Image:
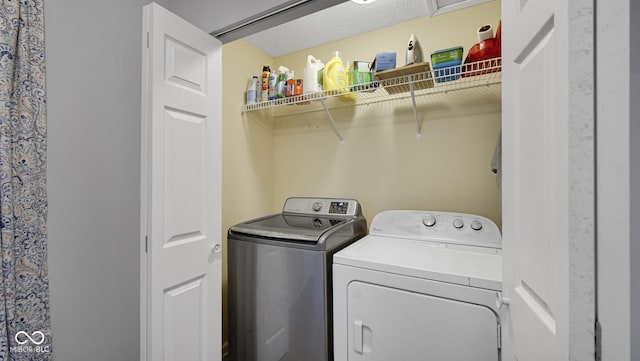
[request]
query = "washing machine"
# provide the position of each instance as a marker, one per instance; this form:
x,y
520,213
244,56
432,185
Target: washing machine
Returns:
x,y
280,279
420,286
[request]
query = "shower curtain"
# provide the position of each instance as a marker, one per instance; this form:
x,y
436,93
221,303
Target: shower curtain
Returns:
x,y
25,331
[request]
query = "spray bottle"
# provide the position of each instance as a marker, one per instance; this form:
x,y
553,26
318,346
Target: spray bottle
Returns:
x,y
281,85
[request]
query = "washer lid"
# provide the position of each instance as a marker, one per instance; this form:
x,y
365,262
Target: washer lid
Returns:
x,y
289,227
463,265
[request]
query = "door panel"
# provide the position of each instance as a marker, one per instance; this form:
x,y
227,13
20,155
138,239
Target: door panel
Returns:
x,y
184,153
536,179
183,329
538,182
408,326
186,66
181,216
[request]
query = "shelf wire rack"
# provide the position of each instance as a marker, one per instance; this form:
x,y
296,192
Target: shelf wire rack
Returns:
x,y
412,82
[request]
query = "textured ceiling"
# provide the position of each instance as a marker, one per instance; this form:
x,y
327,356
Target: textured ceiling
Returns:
x,y
335,23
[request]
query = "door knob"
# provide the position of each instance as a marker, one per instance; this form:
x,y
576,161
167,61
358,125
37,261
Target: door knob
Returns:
x,y
216,248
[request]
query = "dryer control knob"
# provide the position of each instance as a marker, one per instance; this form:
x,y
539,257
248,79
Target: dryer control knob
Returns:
x,y
429,220
476,225
317,206
458,223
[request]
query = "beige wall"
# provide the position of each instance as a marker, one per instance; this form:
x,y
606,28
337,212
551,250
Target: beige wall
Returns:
x,y
380,163
247,156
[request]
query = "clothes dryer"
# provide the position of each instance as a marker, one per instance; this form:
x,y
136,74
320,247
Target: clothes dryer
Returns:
x,y
421,286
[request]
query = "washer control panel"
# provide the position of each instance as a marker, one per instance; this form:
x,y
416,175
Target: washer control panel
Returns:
x,y
444,227
322,206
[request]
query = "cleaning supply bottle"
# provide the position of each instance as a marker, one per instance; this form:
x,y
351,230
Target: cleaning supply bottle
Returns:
x,y
281,85
266,72
273,79
291,84
347,70
335,75
349,81
252,90
313,75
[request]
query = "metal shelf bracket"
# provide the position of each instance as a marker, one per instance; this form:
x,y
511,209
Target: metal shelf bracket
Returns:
x,y
415,111
333,122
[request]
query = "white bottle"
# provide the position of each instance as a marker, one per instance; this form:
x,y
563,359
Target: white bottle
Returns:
x,y
312,81
252,90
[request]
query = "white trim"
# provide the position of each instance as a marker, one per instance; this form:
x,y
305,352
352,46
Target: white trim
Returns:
x,y
613,178
144,133
582,178
634,158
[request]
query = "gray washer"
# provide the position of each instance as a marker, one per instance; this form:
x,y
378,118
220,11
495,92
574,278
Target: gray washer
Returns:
x,y
279,268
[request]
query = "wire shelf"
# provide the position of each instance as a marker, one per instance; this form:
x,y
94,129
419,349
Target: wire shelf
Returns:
x,y
421,83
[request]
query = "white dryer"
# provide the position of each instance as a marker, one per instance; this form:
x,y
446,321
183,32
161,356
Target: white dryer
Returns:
x,y
421,286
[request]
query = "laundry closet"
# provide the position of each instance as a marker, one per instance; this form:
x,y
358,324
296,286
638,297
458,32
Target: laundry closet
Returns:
x,y
272,154
432,150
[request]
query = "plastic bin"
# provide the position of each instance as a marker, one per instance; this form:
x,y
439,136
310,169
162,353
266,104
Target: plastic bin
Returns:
x,y
446,64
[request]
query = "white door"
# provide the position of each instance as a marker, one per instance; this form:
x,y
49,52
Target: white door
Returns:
x,y
544,320
181,187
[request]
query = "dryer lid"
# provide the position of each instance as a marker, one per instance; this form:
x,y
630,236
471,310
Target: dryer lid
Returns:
x,y
463,265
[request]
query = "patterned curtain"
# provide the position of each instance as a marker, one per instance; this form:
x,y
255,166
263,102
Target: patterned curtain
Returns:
x,y
25,331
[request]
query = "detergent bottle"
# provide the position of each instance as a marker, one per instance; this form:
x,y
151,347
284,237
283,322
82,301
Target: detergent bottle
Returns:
x,y
335,75
313,75
281,85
